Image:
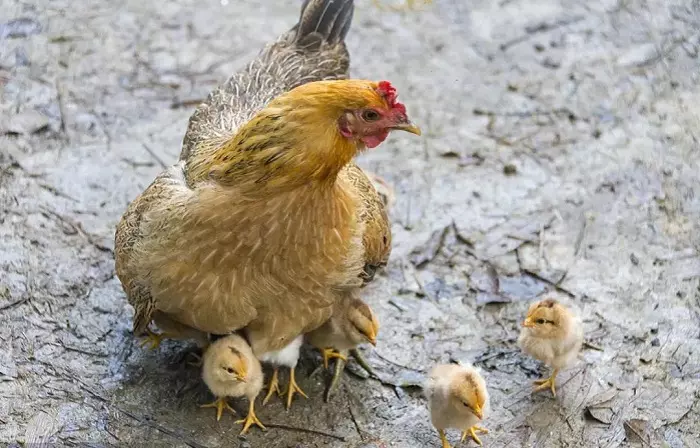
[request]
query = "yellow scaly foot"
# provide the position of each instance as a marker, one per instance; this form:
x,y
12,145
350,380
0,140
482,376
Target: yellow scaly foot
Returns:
x,y
547,383
471,432
220,404
273,387
292,389
329,353
443,439
251,419
154,339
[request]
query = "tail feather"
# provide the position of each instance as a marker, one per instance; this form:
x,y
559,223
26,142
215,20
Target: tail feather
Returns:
x,y
328,20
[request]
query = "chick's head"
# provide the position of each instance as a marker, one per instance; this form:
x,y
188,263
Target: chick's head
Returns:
x,y
362,325
468,394
231,365
546,319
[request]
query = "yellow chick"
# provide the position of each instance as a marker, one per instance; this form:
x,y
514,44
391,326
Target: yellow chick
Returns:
x,y
230,369
351,324
552,334
457,398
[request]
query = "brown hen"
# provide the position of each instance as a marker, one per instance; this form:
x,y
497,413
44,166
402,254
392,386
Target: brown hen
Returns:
x,y
265,218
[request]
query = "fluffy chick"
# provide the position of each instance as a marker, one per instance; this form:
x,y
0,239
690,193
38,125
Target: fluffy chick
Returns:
x,y
352,323
457,398
231,370
286,357
552,334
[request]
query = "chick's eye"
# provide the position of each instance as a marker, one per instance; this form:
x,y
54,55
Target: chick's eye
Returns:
x,y
540,321
229,370
370,115
466,405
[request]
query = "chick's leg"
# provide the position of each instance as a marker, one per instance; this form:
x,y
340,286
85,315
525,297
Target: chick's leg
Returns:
x,y
220,404
250,419
329,353
443,439
471,432
154,339
293,388
548,383
273,387
340,367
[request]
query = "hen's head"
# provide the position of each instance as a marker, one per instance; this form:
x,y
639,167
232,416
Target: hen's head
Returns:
x,y
311,132
547,319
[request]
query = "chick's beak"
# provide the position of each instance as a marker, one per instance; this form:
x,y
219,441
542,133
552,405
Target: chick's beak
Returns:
x,y
528,323
478,412
407,126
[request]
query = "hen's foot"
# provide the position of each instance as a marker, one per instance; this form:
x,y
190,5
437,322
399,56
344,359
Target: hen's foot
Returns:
x,y
251,419
471,432
273,387
293,388
220,404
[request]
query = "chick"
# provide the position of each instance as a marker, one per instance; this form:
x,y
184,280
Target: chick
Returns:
x,y
231,370
351,324
552,334
286,357
457,398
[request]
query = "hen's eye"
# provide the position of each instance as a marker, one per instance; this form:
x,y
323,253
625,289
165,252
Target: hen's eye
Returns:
x,y
370,115
539,321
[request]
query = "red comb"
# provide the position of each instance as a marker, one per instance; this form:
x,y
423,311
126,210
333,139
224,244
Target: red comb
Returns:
x,y
388,92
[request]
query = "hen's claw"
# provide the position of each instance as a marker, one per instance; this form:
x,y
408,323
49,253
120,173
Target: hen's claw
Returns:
x,y
329,353
471,432
293,388
220,404
273,387
251,419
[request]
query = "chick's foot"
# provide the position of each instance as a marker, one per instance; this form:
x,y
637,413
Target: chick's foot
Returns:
x,y
443,439
220,404
547,383
152,339
329,353
471,432
273,387
251,419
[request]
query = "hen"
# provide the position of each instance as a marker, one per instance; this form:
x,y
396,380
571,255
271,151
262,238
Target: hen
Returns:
x,y
265,218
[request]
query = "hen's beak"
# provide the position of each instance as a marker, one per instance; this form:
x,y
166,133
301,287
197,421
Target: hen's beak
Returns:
x,y
528,323
408,127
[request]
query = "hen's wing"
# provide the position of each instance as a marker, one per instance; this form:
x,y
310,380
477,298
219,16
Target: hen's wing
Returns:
x,y
376,238
313,50
129,233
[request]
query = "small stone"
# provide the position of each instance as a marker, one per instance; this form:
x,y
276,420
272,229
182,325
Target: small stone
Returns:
x,y
510,169
655,342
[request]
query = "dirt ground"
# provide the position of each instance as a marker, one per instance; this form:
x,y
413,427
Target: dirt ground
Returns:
x,y
560,156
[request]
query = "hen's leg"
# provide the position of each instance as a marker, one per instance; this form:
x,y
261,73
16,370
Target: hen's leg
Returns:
x,y
293,388
273,387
